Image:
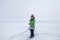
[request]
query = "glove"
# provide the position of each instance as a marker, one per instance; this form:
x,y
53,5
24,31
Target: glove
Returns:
x,y
29,28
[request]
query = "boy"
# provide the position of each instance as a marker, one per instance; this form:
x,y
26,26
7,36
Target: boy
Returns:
x,y
32,26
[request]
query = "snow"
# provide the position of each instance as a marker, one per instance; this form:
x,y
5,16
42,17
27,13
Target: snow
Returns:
x,y
20,31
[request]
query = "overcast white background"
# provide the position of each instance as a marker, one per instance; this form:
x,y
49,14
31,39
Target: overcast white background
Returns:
x,y
22,9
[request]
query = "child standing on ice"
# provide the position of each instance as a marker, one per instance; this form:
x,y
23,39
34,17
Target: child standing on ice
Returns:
x,y
32,26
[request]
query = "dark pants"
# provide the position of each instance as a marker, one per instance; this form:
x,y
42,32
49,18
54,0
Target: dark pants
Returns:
x,y
32,32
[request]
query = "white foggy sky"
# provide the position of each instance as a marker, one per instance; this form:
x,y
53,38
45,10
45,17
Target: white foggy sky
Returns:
x,y
22,9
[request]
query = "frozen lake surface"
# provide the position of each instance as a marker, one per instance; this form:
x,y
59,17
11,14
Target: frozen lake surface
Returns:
x,y
20,31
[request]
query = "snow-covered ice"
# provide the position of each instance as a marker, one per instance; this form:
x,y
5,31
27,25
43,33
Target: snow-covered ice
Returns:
x,y
19,31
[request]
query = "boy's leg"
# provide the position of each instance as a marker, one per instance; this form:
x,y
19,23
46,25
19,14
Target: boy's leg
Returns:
x,y
32,32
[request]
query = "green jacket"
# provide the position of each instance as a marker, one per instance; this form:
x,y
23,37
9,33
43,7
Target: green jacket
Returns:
x,y
32,23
